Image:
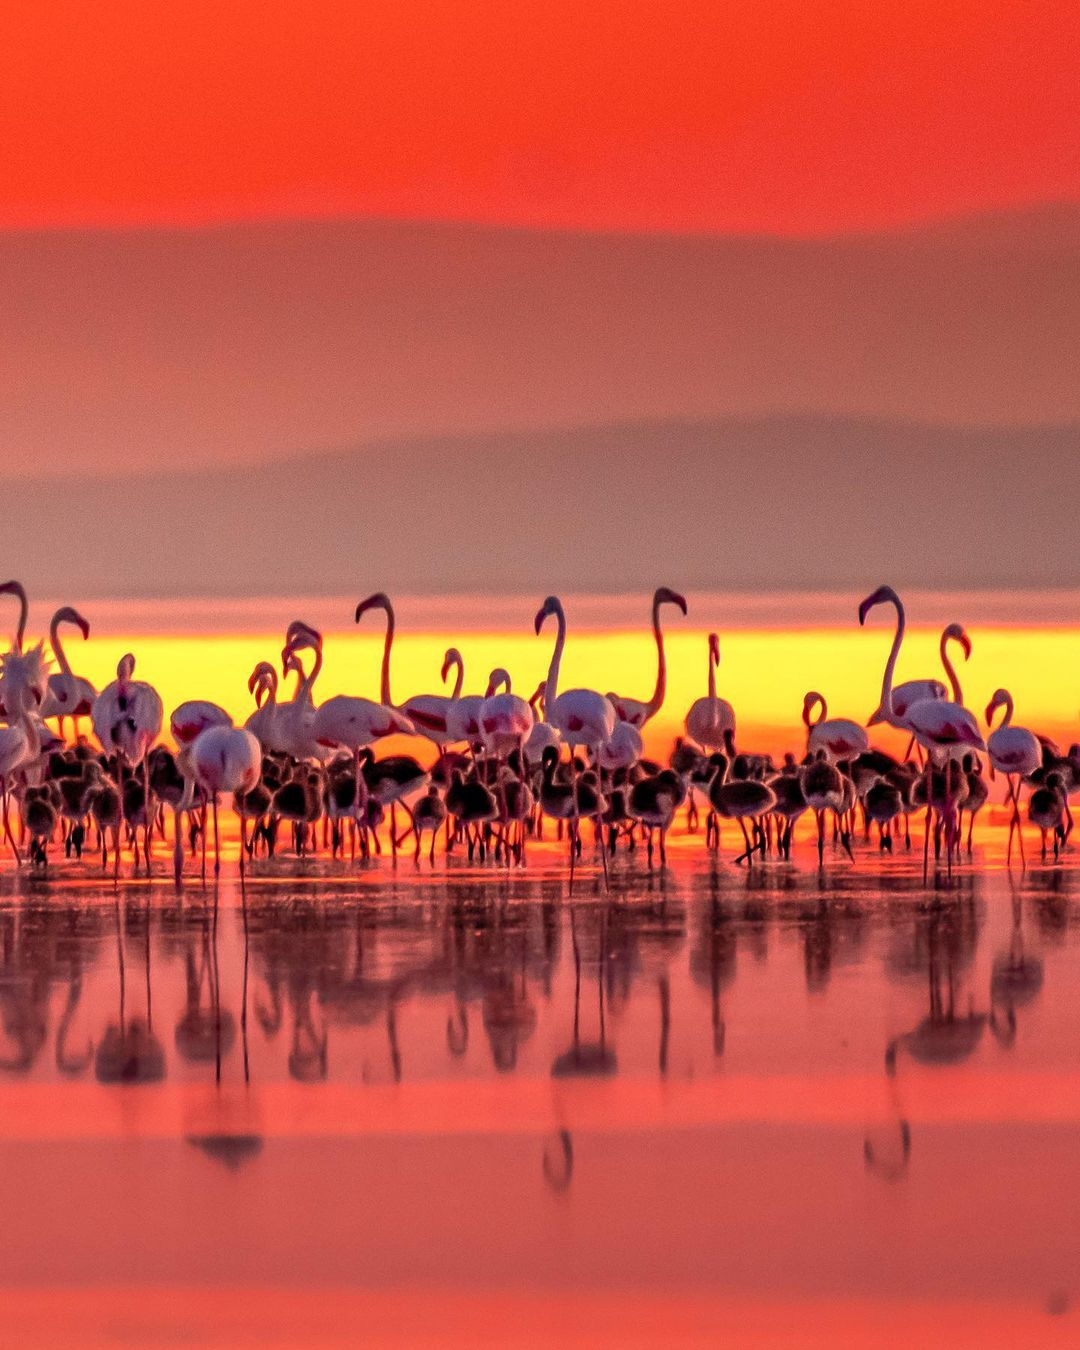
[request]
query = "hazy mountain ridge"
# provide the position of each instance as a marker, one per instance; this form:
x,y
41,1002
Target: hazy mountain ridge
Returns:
x,y
780,503
204,346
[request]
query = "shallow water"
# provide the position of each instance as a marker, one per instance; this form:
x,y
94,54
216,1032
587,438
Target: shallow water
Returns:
x,y
452,1104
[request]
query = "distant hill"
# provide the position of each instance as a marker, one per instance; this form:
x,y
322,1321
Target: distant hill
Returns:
x,y
780,503
132,349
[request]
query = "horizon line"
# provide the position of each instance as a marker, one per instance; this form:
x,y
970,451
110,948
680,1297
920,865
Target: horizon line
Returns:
x,y
225,219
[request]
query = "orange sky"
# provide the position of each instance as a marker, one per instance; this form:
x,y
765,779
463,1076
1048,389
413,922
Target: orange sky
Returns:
x,y
775,114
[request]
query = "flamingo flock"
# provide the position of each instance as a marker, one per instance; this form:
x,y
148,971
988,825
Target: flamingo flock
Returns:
x,y
303,775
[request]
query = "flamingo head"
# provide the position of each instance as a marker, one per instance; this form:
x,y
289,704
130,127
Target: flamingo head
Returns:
x,y
956,633
380,600
69,615
301,637
812,700
452,658
665,596
714,648
882,596
125,668
498,679
261,676
1000,699
552,605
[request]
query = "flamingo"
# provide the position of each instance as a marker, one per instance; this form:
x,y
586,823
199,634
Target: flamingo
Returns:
x,y
653,802
506,719
942,729
742,800
582,717
28,669
915,691
840,738
429,713
17,589
127,714
67,694
263,683
711,720
225,758
632,710
293,724
1013,751
20,746
191,719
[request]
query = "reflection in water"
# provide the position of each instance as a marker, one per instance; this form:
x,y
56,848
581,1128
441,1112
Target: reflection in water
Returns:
x,y
461,1077
387,982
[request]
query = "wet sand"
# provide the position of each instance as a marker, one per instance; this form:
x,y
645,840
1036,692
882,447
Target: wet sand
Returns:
x,y
455,1106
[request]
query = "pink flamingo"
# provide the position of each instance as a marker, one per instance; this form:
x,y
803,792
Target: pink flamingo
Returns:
x,y
633,710
67,694
1015,752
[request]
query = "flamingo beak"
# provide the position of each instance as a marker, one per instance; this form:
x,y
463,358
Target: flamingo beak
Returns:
x,y
538,622
965,643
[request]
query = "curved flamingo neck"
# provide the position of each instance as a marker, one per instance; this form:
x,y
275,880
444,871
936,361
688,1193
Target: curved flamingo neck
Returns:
x,y
388,646
498,679
814,699
1007,704
57,645
894,654
16,589
551,685
453,658
950,669
657,701
538,697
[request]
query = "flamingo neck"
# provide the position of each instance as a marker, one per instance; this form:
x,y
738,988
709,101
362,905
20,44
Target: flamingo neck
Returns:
x,y
24,613
58,646
33,738
894,654
657,701
1007,719
453,657
950,669
551,686
714,661
388,644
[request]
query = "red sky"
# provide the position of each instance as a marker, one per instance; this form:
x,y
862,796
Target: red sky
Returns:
x,y
782,115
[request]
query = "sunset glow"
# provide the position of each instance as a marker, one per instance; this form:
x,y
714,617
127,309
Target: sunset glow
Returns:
x,y
775,116
763,673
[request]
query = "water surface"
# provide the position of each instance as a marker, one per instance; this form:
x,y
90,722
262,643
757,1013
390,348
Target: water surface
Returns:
x,y
451,1104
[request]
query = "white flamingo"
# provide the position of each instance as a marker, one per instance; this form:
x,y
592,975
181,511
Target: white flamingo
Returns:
x,y
711,720
582,717
840,738
20,668
225,758
191,719
505,717
19,748
429,713
1013,751
944,730
263,683
294,721
127,717
67,694
633,710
